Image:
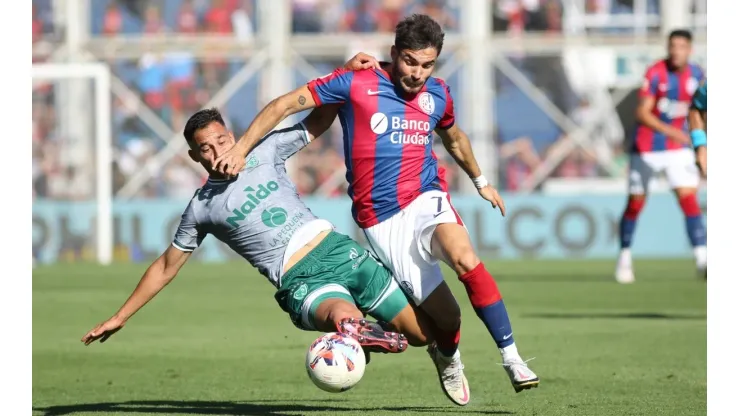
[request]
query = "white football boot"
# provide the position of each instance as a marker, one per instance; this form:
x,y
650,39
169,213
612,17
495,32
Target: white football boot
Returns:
x,y
624,273
700,255
522,378
451,376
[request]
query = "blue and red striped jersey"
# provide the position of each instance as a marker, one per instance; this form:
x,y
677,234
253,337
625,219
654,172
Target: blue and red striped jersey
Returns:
x,y
387,138
673,92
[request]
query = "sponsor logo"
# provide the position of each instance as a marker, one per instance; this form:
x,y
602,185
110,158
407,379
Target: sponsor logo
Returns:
x,y
274,217
254,198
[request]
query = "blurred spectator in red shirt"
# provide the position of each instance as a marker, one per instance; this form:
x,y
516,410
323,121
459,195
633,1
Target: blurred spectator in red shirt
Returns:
x,y
112,20
218,18
38,26
181,83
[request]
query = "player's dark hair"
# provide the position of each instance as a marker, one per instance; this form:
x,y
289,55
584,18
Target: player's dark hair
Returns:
x,y
201,120
417,32
681,33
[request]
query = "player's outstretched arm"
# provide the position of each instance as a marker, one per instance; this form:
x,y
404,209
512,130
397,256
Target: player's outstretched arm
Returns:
x,y
278,109
458,146
157,276
231,162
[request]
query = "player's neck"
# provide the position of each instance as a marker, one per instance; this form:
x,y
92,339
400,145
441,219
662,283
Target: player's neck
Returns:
x,y
674,68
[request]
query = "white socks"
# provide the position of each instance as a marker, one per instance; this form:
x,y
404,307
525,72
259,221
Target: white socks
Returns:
x,y
625,259
510,353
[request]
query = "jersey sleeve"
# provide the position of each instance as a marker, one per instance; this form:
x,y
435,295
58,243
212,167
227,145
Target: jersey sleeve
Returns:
x,y
650,84
189,234
333,88
288,141
448,118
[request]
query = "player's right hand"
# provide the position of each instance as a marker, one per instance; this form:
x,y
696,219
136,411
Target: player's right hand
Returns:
x,y
679,136
362,61
230,163
103,331
490,194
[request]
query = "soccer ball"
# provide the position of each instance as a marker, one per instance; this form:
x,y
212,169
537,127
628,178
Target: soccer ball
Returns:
x,y
335,362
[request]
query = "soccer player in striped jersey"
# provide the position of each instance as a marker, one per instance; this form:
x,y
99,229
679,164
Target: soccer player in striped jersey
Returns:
x,y
662,145
399,193
698,126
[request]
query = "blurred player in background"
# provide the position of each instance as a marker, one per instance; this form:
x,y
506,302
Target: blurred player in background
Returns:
x,y
662,145
399,192
698,126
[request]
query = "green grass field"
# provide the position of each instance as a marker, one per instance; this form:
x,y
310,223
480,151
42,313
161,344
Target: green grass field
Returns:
x,y
215,343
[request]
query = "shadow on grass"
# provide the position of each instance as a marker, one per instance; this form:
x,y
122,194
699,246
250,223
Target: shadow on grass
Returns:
x,y
262,407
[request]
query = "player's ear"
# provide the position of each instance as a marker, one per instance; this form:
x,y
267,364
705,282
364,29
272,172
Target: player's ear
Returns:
x,y
394,52
231,136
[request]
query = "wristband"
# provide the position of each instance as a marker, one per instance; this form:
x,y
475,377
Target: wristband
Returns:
x,y
480,182
698,138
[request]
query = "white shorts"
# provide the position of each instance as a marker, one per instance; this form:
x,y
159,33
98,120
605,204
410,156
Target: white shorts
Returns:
x,y
403,243
679,167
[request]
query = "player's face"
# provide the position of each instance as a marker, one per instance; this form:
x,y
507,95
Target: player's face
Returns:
x,y
211,142
679,50
411,69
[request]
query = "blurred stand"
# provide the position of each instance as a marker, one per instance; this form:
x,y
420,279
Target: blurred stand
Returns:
x,y
546,89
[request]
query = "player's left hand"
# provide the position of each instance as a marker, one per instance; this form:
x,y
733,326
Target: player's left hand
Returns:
x,y
230,163
103,331
490,194
362,61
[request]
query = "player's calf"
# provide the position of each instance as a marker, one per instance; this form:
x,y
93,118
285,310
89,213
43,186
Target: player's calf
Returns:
x,y
444,312
452,244
414,324
695,228
627,225
628,222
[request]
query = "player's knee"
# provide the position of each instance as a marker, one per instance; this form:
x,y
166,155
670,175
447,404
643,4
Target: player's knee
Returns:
x,y
463,260
685,192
